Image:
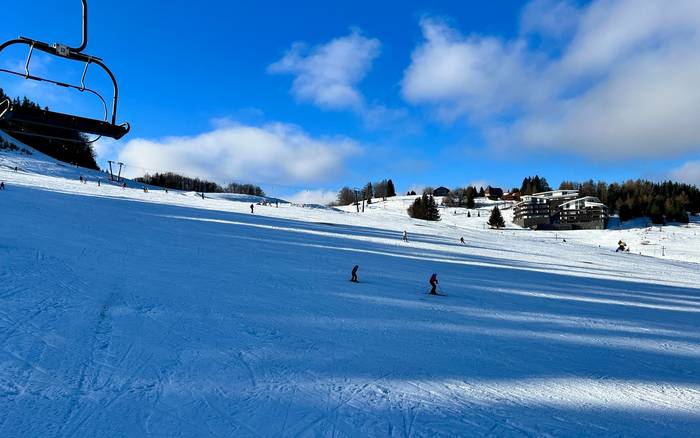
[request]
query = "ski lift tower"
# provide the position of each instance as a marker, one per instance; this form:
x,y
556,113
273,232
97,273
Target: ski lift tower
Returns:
x,y
111,170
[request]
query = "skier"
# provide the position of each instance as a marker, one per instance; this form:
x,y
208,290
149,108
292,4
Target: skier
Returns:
x,y
354,274
251,208
2,185
461,240
81,179
405,236
98,182
433,283
145,189
124,185
621,246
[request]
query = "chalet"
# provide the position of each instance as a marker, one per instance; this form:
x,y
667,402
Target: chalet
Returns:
x,y
560,210
511,196
441,191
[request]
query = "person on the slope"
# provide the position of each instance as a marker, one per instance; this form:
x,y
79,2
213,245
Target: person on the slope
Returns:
x,y
81,179
461,240
251,208
2,185
433,284
405,236
354,274
621,246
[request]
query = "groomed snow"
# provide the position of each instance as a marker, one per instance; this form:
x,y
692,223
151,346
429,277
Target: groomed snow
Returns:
x,y
124,313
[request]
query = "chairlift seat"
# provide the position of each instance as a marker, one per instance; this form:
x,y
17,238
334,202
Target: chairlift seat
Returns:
x,y
26,118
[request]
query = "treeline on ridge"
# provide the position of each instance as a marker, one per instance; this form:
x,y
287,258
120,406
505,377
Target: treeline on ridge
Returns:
x,y
381,189
170,180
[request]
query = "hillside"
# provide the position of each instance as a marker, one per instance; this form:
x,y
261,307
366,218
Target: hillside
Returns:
x,y
164,314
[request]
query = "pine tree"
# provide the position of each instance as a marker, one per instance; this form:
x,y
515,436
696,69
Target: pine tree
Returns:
x,y
368,192
496,219
390,190
432,212
424,208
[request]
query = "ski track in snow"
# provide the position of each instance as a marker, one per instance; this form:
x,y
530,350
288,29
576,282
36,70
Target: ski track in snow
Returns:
x,y
124,313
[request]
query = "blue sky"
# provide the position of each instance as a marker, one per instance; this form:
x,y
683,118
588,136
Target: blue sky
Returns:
x,y
314,95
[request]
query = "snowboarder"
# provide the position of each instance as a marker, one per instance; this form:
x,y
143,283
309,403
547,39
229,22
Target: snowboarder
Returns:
x,y
433,282
145,189
354,274
251,208
405,236
621,246
461,240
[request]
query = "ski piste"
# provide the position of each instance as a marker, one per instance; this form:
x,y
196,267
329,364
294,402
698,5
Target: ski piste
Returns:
x,y
125,313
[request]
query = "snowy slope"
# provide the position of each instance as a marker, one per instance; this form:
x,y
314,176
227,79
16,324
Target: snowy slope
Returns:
x,y
124,313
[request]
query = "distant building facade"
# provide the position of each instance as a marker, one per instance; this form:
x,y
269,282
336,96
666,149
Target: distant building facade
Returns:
x,y
441,191
511,196
560,210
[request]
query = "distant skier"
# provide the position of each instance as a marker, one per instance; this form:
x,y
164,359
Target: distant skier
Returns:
x,y
252,207
405,236
433,282
124,185
98,182
202,195
145,189
461,240
622,246
354,274
2,185
81,179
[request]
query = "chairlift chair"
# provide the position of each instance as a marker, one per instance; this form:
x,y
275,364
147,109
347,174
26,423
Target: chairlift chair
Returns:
x,y
31,121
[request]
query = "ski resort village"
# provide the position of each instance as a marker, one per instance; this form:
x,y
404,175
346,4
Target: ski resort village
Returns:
x,y
394,219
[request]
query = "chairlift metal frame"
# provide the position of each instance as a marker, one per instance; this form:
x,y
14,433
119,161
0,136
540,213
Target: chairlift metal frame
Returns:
x,y
16,116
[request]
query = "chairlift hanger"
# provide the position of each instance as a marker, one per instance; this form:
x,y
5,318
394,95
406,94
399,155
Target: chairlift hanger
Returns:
x,y
20,119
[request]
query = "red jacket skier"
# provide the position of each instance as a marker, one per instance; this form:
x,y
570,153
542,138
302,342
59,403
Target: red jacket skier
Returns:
x,y
433,283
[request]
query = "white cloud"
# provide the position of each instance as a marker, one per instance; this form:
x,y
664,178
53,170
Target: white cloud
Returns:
x,y
270,154
687,173
621,82
327,75
322,197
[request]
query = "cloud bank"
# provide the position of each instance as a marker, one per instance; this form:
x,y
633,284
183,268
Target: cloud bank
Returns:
x,y
616,78
687,173
322,197
270,154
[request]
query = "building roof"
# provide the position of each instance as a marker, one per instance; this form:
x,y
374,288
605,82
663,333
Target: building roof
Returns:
x,y
556,194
